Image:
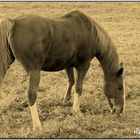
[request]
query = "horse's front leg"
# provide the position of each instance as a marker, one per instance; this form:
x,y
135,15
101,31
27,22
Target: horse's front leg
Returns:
x,y
80,75
32,95
71,80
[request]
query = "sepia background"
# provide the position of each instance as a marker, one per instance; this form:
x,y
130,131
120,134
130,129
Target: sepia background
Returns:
x,y
122,22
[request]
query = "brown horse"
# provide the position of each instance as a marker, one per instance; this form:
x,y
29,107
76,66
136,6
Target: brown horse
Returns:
x,y
68,42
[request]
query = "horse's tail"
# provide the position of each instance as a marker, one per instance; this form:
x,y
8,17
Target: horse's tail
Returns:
x,y
6,26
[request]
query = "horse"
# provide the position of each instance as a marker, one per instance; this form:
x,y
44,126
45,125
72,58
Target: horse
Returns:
x,y
65,43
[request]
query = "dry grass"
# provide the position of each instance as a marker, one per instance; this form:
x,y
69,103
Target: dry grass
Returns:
x,y
121,21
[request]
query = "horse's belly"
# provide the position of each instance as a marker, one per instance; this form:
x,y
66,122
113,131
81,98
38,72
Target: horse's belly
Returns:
x,y
52,68
56,64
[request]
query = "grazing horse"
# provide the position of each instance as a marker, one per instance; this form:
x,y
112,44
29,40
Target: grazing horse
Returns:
x,y
68,42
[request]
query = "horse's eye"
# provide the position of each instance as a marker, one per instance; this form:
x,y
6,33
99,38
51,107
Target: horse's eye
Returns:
x,y
120,88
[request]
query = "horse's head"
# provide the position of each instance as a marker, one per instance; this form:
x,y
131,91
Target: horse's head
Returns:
x,y
115,91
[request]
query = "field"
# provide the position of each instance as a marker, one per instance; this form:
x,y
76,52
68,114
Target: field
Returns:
x,y
122,22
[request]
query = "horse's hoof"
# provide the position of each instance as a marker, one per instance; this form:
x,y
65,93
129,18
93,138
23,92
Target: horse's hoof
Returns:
x,y
67,99
37,129
77,114
66,102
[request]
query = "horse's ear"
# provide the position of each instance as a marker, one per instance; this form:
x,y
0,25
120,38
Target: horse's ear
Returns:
x,y
119,72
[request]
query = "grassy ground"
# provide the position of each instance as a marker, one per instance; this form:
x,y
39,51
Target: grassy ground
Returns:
x,y
121,21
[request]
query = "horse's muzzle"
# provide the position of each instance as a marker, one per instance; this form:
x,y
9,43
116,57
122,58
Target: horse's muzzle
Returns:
x,y
116,108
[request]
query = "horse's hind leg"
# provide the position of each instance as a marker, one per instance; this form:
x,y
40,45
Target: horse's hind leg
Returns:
x,y
70,74
32,95
81,72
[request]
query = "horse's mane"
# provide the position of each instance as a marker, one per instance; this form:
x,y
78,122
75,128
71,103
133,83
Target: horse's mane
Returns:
x,y
4,51
107,53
